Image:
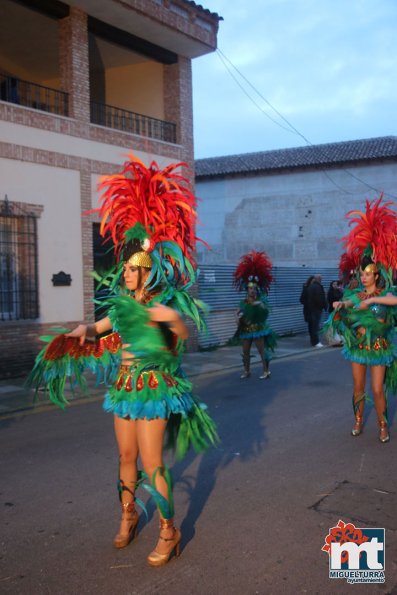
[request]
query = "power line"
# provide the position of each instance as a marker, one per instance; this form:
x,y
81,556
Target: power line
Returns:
x,y
291,128
224,61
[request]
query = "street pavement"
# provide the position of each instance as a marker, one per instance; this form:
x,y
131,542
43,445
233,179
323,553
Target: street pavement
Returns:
x,y
254,512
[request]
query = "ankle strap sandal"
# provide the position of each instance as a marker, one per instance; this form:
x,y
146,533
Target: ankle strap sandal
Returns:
x,y
383,432
358,426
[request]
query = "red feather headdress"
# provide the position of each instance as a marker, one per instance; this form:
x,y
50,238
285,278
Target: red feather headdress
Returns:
x,y
160,200
254,267
374,233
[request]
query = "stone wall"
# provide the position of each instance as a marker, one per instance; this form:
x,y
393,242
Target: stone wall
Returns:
x,y
298,217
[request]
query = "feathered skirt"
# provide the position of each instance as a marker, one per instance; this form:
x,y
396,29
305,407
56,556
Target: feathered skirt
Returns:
x,y
256,331
150,393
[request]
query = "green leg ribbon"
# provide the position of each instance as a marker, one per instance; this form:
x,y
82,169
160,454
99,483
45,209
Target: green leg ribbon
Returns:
x,y
357,402
165,505
121,487
366,397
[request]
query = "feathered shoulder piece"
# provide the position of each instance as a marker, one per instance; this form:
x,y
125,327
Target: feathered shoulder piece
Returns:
x,y
64,358
373,234
254,267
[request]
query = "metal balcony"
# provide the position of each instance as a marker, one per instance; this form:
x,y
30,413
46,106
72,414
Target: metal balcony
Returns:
x,y
121,119
29,94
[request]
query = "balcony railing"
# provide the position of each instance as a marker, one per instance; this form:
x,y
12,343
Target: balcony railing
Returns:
x,y
121,119
29,94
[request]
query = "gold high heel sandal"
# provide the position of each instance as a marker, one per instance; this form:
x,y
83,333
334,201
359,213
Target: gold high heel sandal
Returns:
x,y
157,559
383,432
130,514
358,426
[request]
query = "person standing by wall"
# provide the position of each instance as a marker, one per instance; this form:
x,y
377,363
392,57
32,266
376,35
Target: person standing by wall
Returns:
x,y
303,298
316,303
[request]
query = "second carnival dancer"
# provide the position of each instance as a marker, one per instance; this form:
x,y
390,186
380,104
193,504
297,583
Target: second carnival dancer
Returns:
x,y
253,275
149,215
365,317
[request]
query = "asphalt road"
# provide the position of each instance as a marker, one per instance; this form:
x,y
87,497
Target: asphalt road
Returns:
x,y
254,513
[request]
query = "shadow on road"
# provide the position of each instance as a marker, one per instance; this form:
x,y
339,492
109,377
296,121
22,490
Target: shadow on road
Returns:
x,y
241,416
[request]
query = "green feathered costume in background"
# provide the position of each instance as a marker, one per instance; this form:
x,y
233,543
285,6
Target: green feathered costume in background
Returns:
x,y
368,335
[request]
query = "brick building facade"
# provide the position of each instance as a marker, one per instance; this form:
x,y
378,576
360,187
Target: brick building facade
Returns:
x,y
100,80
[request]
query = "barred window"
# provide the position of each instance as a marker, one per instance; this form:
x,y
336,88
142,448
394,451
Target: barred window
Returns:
x,y
103,262
18,261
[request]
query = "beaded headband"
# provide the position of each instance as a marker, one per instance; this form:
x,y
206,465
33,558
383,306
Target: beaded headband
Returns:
x,y
370,268
141,259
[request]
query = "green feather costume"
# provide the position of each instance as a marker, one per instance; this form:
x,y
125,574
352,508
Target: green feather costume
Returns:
x,y
368,335
152,211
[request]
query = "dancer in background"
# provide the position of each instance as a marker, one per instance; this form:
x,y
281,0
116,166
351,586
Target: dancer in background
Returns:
x,y
365,316
253,275
149,216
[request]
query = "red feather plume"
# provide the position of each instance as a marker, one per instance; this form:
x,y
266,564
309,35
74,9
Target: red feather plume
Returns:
x,y
254,264
159,199
346,264
377,228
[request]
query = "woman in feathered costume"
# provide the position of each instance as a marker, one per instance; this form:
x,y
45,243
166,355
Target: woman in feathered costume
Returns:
x,y
149,215
365,316
253,275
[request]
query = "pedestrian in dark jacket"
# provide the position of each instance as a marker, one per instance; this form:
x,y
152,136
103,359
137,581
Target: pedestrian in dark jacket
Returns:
x,y
316,303
334,294
303,297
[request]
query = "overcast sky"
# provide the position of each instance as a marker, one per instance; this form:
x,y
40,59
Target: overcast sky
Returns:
x,y
328,66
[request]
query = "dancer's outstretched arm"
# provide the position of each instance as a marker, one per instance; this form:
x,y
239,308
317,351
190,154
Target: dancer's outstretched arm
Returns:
x,y
82,331
386,300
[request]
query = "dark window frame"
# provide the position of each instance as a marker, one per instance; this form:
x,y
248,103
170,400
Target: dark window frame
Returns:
x,y
19,278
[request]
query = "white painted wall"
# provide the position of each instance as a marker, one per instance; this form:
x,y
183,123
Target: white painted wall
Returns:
x,y
297,217
58,228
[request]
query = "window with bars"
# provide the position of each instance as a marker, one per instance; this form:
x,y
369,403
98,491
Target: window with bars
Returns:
x,y
18,261
103,262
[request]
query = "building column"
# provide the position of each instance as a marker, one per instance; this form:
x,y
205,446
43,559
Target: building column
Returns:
x,y
74,63
178,105
74,70
87,242
178,108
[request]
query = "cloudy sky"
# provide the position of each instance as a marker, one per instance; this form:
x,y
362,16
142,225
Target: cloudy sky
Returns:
x,y
329,67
